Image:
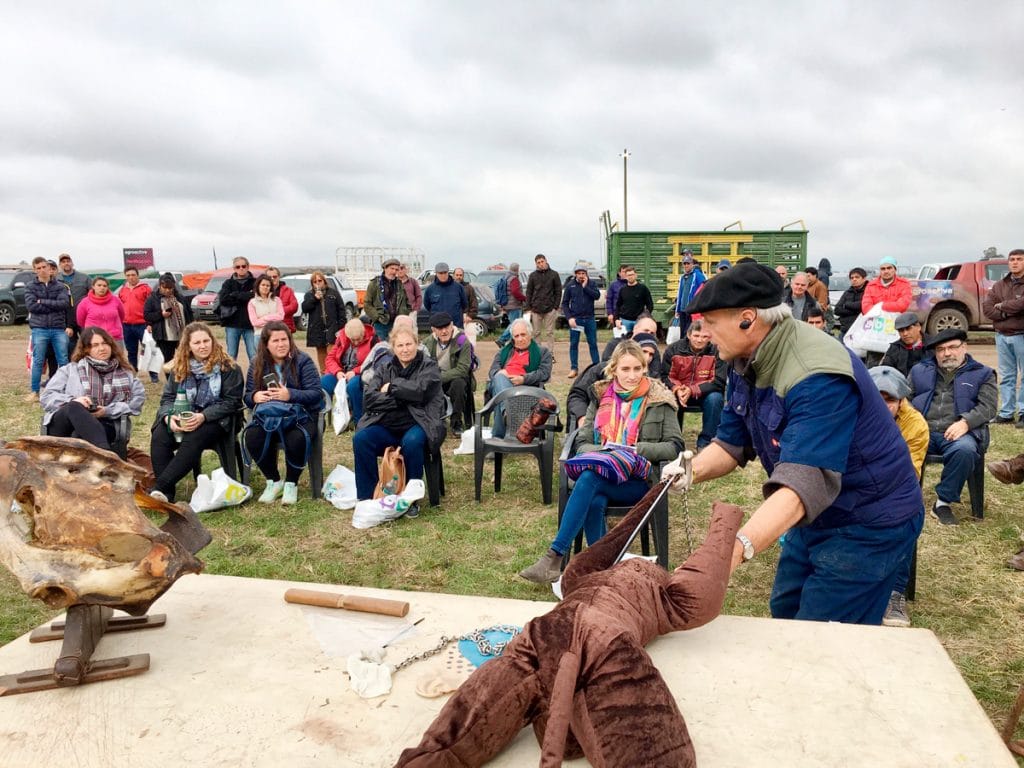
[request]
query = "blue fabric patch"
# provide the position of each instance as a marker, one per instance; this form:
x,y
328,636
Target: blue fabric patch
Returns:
x,y
468,648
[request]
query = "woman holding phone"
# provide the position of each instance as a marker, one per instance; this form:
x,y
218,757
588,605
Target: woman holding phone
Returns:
x,y
325,315
212,383
283,389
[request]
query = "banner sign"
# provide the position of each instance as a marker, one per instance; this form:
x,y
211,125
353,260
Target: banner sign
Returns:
x,y
140,258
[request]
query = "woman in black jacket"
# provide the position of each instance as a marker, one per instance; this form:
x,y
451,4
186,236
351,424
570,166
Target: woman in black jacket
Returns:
x,y
848,306
403,404
167,313
212,383
325,316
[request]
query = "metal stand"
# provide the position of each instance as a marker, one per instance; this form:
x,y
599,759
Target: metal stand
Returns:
x,y
1017,747
82,632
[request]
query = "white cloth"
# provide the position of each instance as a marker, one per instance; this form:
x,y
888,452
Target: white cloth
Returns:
x,y
367,675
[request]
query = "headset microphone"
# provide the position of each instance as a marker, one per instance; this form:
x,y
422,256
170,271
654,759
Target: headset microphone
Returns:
x,y
745,324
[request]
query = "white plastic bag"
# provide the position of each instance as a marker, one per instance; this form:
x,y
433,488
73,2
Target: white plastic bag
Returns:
x,y
872,331
340,413
674,333
150,357
340,487
468,441
618,332
218,491
373,512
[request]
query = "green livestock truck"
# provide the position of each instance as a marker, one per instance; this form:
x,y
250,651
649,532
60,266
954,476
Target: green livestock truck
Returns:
x,y
657,256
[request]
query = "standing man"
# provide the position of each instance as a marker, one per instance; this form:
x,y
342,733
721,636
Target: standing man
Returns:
x,y
445,295
894,292
840,479
578,308
816,288
543,294
848,307
78,282
133,295
47,303
611,296
799,299
413,292
689,283
634,300
783,272
287,296
1004,306
454,355
235,295
385,299
516,299
471,303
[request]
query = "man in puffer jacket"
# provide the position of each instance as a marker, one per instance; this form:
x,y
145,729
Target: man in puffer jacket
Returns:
x,y
445,294
47,301
893,291
692,369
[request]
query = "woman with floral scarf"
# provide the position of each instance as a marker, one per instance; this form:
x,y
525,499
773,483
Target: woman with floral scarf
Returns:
x,y
213,384
629,413
84,397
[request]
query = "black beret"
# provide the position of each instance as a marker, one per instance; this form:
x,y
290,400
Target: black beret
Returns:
x,y
440,320
950,334
746,285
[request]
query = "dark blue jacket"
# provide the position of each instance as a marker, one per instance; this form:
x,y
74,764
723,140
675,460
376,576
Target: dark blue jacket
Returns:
x,y
611,297
304,388
967,383
446,297
47,304
578,300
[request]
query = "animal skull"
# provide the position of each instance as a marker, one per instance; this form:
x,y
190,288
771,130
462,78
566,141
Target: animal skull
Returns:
x,y
72,529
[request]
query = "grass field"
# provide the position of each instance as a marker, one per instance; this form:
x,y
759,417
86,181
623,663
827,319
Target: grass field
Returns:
x,y
965,593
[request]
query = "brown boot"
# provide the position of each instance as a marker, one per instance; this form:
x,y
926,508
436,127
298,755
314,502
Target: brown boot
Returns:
x,y
1008,470
1017,561
545,570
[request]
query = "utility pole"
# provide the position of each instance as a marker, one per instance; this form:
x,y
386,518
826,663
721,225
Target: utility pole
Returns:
x,y
625,196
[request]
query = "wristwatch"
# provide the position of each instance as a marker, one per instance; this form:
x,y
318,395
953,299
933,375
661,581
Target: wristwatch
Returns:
x,y
748,547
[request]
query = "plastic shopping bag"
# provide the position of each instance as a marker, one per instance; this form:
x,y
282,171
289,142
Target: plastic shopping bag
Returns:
x,y
218,491
340,488
468,440
872,331
373,512
150,357
341,415
674,332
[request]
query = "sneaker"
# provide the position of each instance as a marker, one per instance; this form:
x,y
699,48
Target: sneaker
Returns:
x,y
943,513
271,492
32,397
159,496
413,510
290,494
896,614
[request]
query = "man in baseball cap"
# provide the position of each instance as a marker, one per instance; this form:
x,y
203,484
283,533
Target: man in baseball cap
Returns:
x,y
840,479
689,283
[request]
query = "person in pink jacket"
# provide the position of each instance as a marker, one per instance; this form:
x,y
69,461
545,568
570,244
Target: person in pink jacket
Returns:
x,y
102,309
890,289
264,307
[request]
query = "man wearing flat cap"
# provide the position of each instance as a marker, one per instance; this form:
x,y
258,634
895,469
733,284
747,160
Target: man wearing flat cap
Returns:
x,y
385,299
957,396
454,355
840,479
906,352
445,294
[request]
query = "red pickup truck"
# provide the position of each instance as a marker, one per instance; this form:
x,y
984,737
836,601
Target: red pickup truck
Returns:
x,y
952,298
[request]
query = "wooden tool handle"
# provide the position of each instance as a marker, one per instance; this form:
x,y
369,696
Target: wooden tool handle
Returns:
x,y
349,602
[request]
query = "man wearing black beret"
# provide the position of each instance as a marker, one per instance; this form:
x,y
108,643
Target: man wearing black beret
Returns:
x,y
840,478
454,355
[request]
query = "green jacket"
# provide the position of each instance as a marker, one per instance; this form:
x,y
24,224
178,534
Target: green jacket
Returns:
x,y
660,439
461,357
373,302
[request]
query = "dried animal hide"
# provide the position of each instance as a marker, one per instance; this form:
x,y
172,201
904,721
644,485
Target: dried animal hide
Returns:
x,y
78,534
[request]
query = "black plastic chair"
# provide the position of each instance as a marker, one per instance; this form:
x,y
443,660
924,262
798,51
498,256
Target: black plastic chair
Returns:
x,y
657,524
229,449
518,403
316,455
975,481
122,434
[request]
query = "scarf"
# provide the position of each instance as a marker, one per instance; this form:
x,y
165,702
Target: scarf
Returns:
x,y
534,348
176,322
105,381
100,299
619,414
202,388
388,292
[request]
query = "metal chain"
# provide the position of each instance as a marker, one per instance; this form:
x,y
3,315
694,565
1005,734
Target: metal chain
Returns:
x,y
478,638
687,522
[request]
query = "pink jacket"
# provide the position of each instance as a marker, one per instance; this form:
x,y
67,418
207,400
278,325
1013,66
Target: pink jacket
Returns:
x,y
895,297
258,320
106,313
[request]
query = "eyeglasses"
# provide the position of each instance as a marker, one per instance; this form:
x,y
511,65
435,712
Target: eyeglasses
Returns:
x,y
948,348
241,266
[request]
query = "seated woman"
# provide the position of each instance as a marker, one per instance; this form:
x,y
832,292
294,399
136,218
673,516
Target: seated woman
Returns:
x,y
212,382
84,397
280,373
102,309
264,307
346,360
628,408
403,405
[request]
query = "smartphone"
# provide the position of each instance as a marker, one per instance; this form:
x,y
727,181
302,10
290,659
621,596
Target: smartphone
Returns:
x,y
270,380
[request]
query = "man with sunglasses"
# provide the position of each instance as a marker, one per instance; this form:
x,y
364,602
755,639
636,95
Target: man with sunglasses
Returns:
x,y
235,295
957,396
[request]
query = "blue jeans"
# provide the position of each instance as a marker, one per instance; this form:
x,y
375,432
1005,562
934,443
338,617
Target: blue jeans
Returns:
x,y
383,331
958,458
133,333
586,505
369,443
513,315
903,576
42,340
499,383
588,326
353,388
235,335
1010,352
841,574
627,325
711,414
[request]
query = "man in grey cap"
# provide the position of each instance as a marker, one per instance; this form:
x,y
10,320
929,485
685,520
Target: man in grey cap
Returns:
x,y
385,299
689,283
445,294
909,350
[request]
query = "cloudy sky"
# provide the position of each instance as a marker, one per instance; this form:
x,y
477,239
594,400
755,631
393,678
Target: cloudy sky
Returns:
x,y
485,131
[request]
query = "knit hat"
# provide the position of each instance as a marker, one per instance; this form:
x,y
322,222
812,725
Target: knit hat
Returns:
x,y
890,260
647,340
890,381
440,320
746,285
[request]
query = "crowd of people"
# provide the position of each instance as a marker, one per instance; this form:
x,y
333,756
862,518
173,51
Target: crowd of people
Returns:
x,y
749,362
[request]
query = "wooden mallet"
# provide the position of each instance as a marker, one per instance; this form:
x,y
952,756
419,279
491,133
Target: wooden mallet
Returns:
x,y
348,602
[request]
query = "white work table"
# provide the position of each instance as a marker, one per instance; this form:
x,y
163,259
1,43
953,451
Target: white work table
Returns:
x,y
239,677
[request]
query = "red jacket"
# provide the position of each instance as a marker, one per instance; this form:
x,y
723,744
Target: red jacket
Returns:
x,y
341,345
290,304
702,372
895,298
133,300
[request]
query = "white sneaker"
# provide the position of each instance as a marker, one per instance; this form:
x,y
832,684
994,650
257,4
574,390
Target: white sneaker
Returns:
x,y
291,493
155,494
271,492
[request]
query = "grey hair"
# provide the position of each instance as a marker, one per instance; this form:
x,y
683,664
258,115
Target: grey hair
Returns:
x,y
521,321
775,315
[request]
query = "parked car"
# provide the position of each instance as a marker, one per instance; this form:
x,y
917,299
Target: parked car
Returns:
x,y
600,310
206,304
12,295
300,284
489,316
837,286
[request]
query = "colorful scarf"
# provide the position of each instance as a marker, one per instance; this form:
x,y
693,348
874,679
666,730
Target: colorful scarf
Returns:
x,y
202,388
619,414
105,381
615,464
